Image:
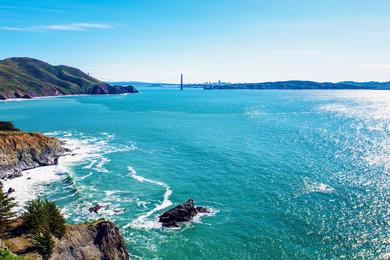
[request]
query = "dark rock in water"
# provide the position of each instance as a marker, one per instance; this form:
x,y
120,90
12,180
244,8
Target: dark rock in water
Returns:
x,y
203,210
10,190
55,162
1,185
181,213
95,208
28,178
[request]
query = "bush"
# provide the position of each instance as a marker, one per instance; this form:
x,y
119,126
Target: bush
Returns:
x,y
6,205
43,216
7,126
7,255
44,243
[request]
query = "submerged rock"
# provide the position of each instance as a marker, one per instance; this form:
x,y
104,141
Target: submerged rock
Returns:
x,y
95,208
181,213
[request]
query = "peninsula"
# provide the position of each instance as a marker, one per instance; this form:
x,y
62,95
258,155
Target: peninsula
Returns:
x,y
29,78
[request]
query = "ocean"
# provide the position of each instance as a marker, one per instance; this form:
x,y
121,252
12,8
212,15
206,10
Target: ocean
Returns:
x,y
288,174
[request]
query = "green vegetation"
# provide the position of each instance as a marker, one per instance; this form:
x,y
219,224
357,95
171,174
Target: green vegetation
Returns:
x,y
7,126
26,75
6,205
43,220
43,215
7,255
44,242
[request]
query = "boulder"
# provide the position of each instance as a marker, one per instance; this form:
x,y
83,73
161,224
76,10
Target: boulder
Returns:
x,y
181,213
95,208
10,190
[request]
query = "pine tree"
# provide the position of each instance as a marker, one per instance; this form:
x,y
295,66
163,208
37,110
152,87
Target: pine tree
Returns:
x,y
6,206
43,215
56,221
44,242
34,217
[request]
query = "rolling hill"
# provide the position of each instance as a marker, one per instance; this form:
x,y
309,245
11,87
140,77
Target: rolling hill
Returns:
x,y
28,78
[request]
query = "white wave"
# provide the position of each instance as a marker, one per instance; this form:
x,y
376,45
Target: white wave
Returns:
x,y
86,176
142,221
83,149
254,112
317,187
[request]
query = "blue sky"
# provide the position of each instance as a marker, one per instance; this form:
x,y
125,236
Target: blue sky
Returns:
x,y
207,40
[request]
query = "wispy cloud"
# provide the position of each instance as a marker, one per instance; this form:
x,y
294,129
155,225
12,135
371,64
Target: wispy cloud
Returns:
x,y
58,27
382,66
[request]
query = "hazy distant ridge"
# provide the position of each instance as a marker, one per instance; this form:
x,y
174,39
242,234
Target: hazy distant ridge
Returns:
x,y
297,84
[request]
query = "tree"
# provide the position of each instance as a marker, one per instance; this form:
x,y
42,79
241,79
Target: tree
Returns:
x,y
43,215
55,219
44,242
6,205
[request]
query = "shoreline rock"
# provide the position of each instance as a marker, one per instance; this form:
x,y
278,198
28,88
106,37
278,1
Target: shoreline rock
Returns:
x,y
21,151
94,240
181,213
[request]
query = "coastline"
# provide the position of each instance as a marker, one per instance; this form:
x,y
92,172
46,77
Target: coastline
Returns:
x,y
59,96
31,183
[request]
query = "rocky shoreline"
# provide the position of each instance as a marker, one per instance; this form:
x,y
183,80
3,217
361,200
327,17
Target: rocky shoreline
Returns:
x,y
21,151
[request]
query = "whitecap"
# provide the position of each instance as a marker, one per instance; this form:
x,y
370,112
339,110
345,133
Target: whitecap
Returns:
x,y
142,221
317,187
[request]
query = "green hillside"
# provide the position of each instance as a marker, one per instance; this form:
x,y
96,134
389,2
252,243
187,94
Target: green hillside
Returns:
x,y
27,78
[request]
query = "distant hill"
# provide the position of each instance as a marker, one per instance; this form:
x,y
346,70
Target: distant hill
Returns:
x,y
27,78
296,84
143,84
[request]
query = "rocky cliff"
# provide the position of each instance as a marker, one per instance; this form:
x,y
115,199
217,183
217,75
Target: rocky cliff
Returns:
x,y
27,78
21,151
91,241
100,240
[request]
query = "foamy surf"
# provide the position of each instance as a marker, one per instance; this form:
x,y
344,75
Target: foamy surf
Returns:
x,y
83,150
142,221
317,187
31,184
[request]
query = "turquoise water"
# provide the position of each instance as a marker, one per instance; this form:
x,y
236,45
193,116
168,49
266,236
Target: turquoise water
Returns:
x,y
289,174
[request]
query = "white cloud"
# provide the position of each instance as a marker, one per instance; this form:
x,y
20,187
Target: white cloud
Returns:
x,y
58,27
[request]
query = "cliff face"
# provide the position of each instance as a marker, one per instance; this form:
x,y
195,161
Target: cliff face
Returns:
x,y
21,151
100,240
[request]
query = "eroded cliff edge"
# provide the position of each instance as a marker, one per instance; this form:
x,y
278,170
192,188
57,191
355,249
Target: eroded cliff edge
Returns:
x,y
22,151
90,241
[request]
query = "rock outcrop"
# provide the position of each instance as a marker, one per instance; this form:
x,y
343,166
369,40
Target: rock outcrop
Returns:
x,y
104,89
181,213
100,240
21,151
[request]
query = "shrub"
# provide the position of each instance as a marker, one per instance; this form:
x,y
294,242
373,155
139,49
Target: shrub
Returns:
x,y
7,255
7,126
6,205
43,216
44,242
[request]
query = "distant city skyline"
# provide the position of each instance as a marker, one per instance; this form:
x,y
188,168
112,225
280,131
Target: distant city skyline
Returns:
x,y
207,41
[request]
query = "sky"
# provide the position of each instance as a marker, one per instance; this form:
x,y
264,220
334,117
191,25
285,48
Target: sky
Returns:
x,y
206,40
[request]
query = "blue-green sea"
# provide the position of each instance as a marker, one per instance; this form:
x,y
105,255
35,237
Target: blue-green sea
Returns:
x,y
288,174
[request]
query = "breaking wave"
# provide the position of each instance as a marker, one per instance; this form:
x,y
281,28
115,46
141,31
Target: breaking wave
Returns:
x,y
141,221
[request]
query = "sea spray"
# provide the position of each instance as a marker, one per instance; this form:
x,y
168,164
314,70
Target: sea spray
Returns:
x,y
141,221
